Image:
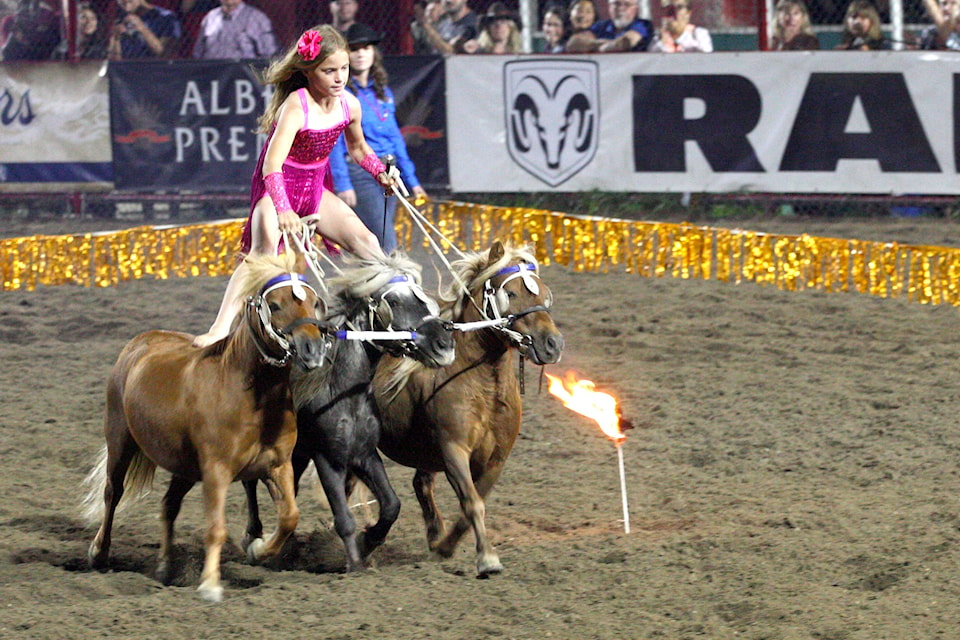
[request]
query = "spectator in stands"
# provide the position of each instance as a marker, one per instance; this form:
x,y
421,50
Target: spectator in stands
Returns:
x,y
499,32
429,12
458,26
792,30
624,31
862,28
356,187
677,33
143,31
33,32
344,13
92,37
944,33
554,28
235,30
583,15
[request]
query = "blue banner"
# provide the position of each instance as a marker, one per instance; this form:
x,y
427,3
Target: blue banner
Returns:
x,y
188,124
191,124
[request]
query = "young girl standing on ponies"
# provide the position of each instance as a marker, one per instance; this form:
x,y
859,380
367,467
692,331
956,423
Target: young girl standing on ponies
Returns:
x,y
306,115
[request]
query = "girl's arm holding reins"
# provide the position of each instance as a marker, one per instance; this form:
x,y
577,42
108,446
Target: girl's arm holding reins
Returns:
x,y
289,121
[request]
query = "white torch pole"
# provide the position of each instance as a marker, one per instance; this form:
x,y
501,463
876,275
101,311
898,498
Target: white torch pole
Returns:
x,y
623,490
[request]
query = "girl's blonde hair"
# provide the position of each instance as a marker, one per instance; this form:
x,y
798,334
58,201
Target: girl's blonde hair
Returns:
x,y
289,72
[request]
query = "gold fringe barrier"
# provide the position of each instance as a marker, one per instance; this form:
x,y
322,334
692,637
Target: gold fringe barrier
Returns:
x,y
109,258
924,274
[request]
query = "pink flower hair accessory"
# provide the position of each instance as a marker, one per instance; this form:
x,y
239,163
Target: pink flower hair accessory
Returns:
x,y
308,46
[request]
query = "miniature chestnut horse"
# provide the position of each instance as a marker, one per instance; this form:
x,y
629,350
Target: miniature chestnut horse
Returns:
x,y
463,419
211,415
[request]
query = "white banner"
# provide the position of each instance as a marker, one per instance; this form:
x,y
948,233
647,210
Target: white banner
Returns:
x,y
797,122
54,123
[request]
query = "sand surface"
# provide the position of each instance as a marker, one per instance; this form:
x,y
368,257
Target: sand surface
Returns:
x,y
793,474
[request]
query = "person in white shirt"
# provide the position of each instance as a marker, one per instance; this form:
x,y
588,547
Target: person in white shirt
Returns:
x,y
235,30
677,33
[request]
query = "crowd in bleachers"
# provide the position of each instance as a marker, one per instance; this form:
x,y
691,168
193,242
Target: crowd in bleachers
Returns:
x,y
241,29
124,29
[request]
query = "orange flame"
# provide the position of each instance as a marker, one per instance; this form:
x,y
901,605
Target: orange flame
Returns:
x,y
581,396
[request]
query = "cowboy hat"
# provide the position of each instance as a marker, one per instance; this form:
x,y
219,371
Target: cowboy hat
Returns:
x,y
499,11
359,35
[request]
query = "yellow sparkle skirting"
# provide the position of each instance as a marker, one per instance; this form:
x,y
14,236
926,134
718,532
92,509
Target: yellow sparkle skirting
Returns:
x,y
922,274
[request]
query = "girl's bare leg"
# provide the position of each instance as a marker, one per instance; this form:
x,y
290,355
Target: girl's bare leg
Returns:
x,y
265,237
339,223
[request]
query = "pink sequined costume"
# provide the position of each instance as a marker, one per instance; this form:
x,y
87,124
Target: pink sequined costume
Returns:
x,y
306,171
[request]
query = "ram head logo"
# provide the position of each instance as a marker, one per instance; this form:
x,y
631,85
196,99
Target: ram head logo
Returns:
x,y
552,116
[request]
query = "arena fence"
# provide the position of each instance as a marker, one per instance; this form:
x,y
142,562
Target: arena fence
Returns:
x,y
736,25
924,274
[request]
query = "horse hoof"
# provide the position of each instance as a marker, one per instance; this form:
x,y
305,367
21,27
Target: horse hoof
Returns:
x,y
255,550
248,539
489,566
96,559
366,544
211,593
354,567
163,573
442,549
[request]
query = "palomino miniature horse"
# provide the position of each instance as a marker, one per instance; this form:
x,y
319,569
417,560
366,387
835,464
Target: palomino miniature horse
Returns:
x,y
337,419
213,415
463,419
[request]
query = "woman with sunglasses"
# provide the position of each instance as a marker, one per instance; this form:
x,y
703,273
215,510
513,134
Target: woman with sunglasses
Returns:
x,y
677,33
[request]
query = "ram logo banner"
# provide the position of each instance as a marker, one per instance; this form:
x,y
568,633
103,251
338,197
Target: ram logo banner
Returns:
x,y
553,116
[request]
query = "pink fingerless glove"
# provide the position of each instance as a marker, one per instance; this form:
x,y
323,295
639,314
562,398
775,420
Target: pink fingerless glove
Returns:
x,y
278,192
372,165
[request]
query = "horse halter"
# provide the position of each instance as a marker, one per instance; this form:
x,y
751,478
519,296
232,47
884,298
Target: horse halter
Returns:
x,y
298,283
380,313
495,300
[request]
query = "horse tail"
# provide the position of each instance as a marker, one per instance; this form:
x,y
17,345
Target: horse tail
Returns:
x,y
136,485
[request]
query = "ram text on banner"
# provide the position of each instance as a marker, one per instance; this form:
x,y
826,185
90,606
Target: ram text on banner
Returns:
x,y
185,124
54,124
827,122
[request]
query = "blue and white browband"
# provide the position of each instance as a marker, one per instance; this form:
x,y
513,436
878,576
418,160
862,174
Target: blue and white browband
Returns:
x,y
520,271
295,280
523,266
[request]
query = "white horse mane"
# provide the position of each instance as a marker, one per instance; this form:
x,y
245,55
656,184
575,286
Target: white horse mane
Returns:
x,y
368,275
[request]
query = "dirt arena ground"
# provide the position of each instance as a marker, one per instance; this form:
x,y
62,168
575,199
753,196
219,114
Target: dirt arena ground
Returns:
x,y
793,475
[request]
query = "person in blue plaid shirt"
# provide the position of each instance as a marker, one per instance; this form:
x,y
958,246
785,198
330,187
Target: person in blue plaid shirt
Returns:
x,y
235,30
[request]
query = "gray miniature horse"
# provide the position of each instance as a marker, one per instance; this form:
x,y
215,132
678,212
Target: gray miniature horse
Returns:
x,y
337,417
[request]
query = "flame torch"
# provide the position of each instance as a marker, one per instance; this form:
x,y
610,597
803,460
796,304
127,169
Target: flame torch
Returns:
x,y
582,397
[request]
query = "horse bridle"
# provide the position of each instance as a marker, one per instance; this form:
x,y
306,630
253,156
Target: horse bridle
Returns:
x,y
527,272
380,314
281,337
